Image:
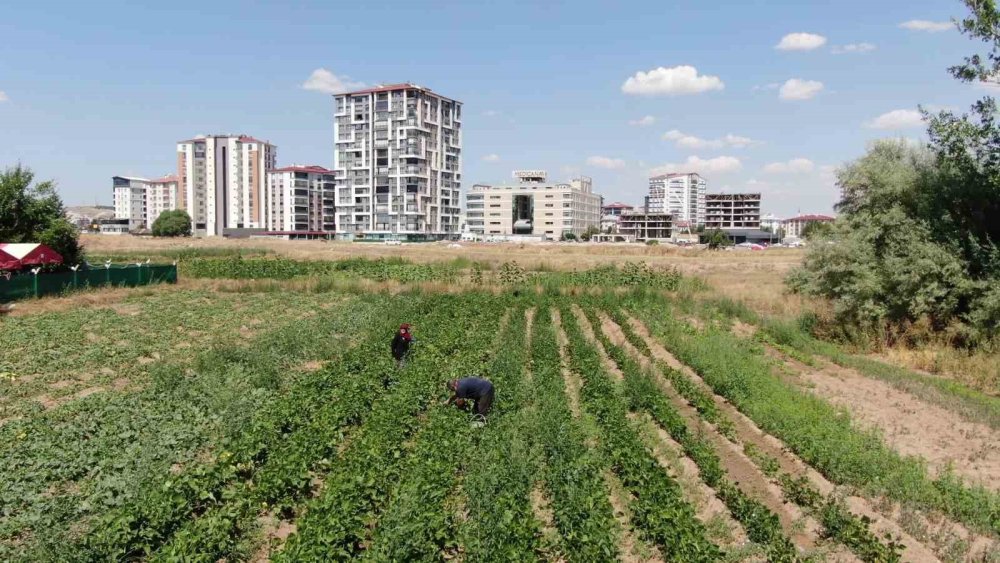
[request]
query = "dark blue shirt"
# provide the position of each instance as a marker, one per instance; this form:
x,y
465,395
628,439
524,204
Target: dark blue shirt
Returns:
x,y
473,388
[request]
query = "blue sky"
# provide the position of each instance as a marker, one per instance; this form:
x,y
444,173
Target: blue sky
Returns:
x,y
91,90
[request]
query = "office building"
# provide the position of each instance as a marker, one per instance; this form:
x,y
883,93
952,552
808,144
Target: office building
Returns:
x,y
221,181
398,160
130,201
732,211
299,200
533,206
680,195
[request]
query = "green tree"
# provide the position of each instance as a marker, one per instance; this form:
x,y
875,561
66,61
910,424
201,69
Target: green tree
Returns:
x,y
591,231
33,212
816,230
568,236
176,223
716,239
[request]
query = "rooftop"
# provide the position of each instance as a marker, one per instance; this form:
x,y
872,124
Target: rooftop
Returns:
x,y
243,138
392,88
811,217
300,168
618,205
674,175
166,179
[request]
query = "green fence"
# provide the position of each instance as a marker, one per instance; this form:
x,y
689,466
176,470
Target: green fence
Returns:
x,y
27,284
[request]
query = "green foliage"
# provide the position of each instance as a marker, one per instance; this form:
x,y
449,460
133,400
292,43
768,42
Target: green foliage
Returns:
x,y
568,236
512,273
933,208
34,213
590,232
816,230
652,242
175,223
716,239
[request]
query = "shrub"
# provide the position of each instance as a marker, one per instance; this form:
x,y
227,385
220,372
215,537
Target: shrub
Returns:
x,y
176,223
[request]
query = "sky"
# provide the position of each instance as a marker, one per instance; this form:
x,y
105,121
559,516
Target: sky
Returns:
x,y
762,96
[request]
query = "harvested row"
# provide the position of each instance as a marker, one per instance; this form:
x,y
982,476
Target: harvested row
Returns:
x,y
571,474
659,510
336,524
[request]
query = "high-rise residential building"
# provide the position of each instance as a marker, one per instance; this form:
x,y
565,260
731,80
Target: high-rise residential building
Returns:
x,y
130,200
533,206
732,211
398,159
161,195
681,195
299,200
222,180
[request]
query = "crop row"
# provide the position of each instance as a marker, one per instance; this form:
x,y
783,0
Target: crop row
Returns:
x,y
336,524
762,525
501,466
838,523
572,475
659,510
64,470
814,429
283,268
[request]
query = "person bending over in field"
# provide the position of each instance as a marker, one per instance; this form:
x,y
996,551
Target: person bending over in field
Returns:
x,y
401,344
472,389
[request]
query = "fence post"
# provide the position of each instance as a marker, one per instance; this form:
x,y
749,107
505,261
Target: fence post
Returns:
x,y
107,273
34,273
76,282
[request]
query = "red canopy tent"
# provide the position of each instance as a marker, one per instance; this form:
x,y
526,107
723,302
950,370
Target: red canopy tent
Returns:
x,y
8,262
30,254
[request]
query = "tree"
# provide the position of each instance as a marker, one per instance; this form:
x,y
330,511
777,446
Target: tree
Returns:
x,y
816,230
568,236
716,239
176,223
591,231
34,213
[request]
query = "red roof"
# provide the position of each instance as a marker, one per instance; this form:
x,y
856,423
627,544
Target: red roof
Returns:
x,y
8,262
312,168
618,205
31,254
249,139
165,179
392,88
811,218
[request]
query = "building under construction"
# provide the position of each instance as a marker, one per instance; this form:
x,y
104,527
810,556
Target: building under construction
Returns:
x,y
641,224
732,211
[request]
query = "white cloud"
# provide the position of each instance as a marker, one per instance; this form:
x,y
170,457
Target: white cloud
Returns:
x,y
801,42
928,26
798,89
852,49
676,80
717,165
644,121
897,119
605,162
492,158
685,141
322,80
794,166
3,97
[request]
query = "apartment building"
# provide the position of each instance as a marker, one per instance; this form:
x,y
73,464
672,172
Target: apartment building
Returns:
x,y
795,225
221,181
681,195
130,200
398,160
772,223
732,211
161,195
533,206
611,214
299,200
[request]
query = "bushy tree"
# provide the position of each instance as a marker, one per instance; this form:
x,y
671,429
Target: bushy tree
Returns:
x,y
33,212
176,223
716,239
815,230
917,238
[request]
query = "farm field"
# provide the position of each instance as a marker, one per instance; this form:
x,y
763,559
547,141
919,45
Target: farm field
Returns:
x,y
252,412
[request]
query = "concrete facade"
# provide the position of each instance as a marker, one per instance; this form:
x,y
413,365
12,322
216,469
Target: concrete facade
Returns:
x,y
299,199
732,211
681,195
534,206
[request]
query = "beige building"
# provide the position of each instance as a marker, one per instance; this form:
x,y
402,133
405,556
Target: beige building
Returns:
x,y
533,206
221,181
161,195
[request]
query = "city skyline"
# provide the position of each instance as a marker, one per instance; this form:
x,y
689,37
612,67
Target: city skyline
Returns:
x,y
756,99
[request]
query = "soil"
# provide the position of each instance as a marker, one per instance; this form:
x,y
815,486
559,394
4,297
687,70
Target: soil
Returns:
x,y
572,383
274,532
632,548
743,330
910,425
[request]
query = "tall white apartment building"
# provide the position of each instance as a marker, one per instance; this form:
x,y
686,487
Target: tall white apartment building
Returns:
x,y
681,195
222,180
398,160
533,206
161,195
130,200
300,200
